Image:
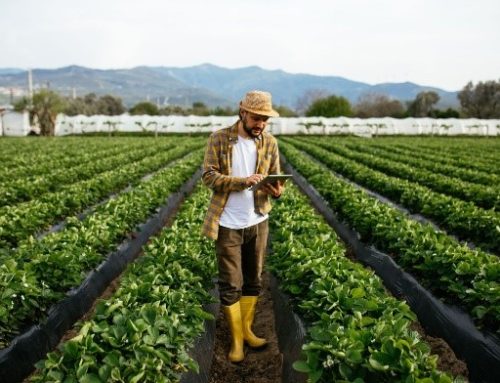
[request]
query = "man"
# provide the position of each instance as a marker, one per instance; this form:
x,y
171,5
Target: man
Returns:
x,y
237,158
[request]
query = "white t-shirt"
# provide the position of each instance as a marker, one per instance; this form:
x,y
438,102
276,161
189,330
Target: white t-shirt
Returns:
x,y
239,211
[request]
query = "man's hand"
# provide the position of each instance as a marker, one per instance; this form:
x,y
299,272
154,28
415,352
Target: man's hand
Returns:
x,y
254,179
273,189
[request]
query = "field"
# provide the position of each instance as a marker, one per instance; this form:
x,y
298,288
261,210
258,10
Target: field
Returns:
x,y
118,219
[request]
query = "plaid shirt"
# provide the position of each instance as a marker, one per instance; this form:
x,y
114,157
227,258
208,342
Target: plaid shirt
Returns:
x,y
217,173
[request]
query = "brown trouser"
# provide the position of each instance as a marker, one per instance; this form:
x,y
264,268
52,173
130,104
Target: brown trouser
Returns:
x,y
240,256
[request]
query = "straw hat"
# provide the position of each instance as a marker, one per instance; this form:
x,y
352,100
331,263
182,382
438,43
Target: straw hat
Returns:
x,y
259,102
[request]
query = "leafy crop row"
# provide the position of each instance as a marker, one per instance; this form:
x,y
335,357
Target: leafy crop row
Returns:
x,y
19,221
143,332
26,157
40,272
482,149
487,197
358,333
464,219
59,177
435,163
455,158
451,270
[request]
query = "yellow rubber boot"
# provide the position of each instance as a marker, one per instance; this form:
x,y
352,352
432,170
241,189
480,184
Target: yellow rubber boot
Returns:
x,y
233,316
248,304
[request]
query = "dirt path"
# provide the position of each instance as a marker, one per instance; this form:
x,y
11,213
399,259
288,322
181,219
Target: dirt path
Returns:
x,y
259,366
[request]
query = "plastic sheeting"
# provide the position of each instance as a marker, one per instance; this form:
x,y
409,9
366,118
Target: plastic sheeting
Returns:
x,y
294,125
14,124
203,350
480,350
17,361
291,334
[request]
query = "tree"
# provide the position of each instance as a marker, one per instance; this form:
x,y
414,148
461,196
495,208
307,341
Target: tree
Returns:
x,y
306,100
110,105
332,106
43,109
482,100
227,111
76,106
89,105
448,113
199,109
423,104
172,110
378,105
284,111
144,107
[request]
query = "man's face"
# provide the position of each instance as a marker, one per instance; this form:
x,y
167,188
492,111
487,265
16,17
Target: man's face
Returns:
x,y
253,123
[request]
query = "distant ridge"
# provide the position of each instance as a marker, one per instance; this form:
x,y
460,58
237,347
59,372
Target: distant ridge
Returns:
x,y
207,83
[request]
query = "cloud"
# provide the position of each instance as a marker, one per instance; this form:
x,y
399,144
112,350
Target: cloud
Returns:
x,y
428,42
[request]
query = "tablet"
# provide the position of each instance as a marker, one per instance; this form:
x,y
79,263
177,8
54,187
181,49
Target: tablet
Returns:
x,y
272,178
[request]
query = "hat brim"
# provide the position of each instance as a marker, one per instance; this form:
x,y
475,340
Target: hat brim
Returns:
x,y
268,113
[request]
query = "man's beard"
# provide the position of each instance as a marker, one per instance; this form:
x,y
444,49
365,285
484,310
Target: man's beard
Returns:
x,y
250,131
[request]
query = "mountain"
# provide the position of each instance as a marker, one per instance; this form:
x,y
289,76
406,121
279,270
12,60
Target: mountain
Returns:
x,y
10,71
207,83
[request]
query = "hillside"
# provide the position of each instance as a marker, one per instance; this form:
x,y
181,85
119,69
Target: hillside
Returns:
x,y
207,83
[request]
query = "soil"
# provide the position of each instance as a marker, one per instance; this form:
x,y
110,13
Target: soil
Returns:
x,y
447,360
260,365
107,294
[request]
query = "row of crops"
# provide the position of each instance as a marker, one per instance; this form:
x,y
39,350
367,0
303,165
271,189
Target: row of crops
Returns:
x,y
448,267
34,274
66,204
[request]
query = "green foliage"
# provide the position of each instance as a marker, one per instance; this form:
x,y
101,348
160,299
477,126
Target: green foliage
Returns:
x,y
144,107
448,113
423,104
43,109
481,100
89,105
144,331
357,332
199,109
441,262
285,112
378,105
219,111
332,106
47,268
173,110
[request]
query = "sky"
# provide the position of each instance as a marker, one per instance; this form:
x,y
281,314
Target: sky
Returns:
x,y
440,43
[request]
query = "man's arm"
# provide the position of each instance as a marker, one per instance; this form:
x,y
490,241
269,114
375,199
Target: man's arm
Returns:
x,y
212,177
274,168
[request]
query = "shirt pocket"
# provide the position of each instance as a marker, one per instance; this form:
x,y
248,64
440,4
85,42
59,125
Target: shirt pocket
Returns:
x,y
265,164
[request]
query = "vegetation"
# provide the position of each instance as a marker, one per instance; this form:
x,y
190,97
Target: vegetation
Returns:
x,y
452,270
355,330
331,106
39,272
90,104
423,104
144,331
481,100
43,109
359,332
477,101
144,107
378,105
